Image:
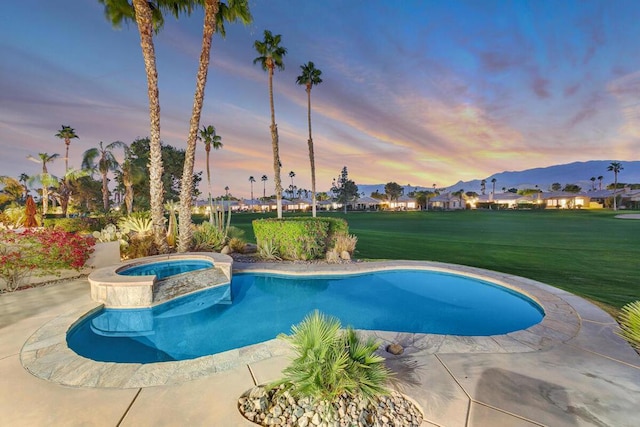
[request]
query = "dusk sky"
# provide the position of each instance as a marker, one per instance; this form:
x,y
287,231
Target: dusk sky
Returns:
x,y
417,92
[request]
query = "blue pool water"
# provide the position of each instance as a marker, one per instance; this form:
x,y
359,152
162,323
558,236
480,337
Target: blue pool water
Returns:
x,y
266,305
165,269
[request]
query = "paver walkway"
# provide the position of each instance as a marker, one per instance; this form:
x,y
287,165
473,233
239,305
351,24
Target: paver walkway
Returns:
x,y
589,379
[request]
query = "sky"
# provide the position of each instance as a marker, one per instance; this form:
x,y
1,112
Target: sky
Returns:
x,y
416,92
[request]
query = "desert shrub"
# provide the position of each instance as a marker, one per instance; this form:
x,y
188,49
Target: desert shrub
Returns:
x,y
43,252
330,362
237,245
630,324
345,242
73,225
294,238
235,232
208,238
140,245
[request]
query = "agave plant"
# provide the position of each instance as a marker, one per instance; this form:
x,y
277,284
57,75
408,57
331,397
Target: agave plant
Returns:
x,y
330,362
140,224
208,237
630,324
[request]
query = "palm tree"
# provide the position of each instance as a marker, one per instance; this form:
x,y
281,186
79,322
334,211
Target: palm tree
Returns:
x,y
264,186
493,191
45,179
67,133
292,174
252,180
211,140
615,167
106,162
24,179
226,192
128,172
310,77
271,55
147,15
215,14
600,178
483,186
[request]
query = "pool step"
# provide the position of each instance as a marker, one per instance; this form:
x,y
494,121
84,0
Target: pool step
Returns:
x,y
183,284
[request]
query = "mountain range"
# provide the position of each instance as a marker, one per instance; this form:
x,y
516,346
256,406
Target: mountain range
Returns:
x,y
578,173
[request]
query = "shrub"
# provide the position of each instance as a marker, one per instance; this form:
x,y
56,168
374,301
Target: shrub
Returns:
x,y
139,223
345,242
72,225
630,324
207,238
237,245
294,238
330,362
140,245
43,252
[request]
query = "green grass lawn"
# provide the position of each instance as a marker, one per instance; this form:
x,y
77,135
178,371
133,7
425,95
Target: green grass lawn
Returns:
x,y
589,253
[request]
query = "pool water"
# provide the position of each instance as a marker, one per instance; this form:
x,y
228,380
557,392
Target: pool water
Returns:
x,y
266,305
165,269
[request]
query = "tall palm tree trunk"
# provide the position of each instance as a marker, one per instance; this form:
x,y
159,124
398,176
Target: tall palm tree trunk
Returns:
x,y
615,190
311,155
274,143
186,191
208,150
105,192
145,28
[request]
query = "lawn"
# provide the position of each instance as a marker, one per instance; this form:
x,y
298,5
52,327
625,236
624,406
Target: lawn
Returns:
x,y
589,253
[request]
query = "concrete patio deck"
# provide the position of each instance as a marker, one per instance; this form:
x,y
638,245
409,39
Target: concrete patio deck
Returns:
x,y
575,372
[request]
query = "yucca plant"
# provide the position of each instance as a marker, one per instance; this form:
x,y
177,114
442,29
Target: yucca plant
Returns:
x,y
172,229
630,324
331,362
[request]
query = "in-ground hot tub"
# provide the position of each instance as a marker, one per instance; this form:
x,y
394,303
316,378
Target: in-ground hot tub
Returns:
x,y
145,282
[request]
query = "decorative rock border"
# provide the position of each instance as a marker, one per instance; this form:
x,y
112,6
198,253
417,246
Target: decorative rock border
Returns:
x,y
46,354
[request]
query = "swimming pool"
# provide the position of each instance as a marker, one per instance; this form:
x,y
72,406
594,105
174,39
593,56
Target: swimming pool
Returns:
x,y
265,305
165,269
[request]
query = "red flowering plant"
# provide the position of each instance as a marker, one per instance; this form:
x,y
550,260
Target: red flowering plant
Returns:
x,y
40,252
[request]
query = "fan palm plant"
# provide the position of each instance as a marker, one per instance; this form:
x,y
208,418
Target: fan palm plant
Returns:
x,y
330,362
615,167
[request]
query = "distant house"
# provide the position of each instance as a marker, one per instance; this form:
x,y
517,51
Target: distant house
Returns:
x,y
566,200
447,202
366,203
507,200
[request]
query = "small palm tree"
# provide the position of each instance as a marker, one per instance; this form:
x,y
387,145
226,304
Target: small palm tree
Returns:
x,y
593,182
493,191
251,181
45,179
67,133
271,57
264,186
483,186
106,162
310,77
615,167
211,140
292,175
600,178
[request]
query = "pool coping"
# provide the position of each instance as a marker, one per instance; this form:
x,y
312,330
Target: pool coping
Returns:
x,y
46,355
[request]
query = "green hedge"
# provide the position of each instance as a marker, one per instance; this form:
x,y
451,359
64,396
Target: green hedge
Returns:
x,y
298,238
